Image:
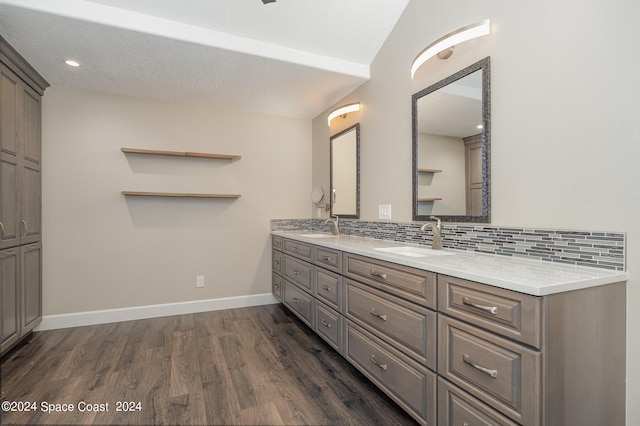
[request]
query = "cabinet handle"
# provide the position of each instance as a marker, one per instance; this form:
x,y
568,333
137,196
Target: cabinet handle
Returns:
x,y
26,229
1,231
491,309
378,274
295,300
382,366
375,314
8,253
277,262
326,287
327,258
276,286
326,324
296,272
296,249
467,360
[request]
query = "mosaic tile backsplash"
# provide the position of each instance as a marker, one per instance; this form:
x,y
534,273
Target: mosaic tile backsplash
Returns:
x,y
587,248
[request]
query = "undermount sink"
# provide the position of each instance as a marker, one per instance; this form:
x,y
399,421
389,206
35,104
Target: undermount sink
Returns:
x,y
316,235
413,251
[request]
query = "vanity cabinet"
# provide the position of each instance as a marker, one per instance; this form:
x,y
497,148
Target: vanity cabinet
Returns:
x,y
21,89
451,351
277,285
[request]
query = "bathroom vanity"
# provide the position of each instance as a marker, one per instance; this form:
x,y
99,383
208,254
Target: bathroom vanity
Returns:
x,y
459,337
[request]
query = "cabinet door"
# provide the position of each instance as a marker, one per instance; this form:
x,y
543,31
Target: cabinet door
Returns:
x,y
31,286
31,207
10,302
9,156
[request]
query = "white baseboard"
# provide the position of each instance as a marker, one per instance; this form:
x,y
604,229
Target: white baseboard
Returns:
x,y
52,322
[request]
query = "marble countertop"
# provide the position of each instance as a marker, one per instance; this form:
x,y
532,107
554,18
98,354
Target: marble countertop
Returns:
x,y
530,276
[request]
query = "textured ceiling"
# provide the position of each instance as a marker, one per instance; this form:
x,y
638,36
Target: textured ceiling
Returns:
x,y
292,58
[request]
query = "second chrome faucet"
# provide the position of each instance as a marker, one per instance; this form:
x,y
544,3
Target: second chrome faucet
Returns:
x,y
336,229
436,243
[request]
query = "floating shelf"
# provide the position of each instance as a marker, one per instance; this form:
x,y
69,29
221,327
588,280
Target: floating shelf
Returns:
x,y
179,194
429,199
180,154
429,171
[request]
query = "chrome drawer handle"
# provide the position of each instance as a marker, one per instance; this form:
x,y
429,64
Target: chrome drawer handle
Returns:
x,y
276,286
382,366
295,300
296,248
326,324
1,231
467,360
277,262
26,229
295,272
327,258
491,309
378,274
326,287
375,314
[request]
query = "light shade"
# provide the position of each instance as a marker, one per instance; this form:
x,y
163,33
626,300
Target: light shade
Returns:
x,y
345,109
460,35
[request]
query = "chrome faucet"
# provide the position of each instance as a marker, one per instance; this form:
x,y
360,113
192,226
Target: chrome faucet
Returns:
x,y
336,229
436,243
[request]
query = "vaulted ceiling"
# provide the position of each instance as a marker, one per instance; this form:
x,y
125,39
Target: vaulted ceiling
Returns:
x,y
292,58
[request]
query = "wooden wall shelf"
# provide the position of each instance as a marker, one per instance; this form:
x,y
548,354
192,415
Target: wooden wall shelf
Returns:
x,y
429,171
429,199
178,194
180,154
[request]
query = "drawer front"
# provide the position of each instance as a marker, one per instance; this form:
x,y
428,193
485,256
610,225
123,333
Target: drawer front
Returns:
x,y
298,272
413,387
412,284
509,313
298,249
412,330
276,261
328,288
276,286
299,302
276,242
330,259
504,374
329,325
456,407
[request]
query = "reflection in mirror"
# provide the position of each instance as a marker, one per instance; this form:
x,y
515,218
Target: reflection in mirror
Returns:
x,y
451,141
345,173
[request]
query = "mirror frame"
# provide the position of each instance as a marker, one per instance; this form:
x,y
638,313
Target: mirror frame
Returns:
x,y
331,140
485,217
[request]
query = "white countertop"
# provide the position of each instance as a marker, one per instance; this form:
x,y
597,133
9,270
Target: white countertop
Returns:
x,y
530,276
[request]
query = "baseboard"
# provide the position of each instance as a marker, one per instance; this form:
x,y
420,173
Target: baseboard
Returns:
x,y
53,322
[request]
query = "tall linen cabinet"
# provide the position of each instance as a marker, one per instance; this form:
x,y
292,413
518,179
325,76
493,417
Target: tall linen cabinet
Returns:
x,y
21,89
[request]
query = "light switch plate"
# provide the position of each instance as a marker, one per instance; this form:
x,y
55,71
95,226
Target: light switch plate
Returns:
x,y
384,211
200,281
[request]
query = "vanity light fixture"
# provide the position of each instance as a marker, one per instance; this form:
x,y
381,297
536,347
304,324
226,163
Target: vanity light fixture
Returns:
x,y
443,47
343,111
72,63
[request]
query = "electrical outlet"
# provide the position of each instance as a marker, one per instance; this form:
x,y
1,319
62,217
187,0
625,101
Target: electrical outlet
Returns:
x,y
384,211
200,281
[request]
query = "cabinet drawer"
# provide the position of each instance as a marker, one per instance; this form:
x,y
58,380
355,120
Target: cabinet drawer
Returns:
x,y
298,272
412,284
276,286
504,374
276,242
330,259
509,313
298,249
412,386
456,407
299,302
276,261
328,288
329,325
410,327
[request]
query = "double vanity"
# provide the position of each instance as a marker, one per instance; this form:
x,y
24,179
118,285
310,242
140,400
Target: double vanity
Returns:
x,y
457,337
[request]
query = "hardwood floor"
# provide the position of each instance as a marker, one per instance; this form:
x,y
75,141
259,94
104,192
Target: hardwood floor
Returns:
x,y
258,365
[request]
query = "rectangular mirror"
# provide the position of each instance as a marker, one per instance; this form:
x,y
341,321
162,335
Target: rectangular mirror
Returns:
x,y
451,141
345,173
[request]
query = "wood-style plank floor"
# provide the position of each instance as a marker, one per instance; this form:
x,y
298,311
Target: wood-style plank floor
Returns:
x,y
249,366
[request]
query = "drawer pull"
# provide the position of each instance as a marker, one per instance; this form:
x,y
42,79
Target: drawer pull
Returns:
x,y
277,262
297,249
276,286
326,287
26,229
326,324
467,360
378,274
1,231
295,300
382,366
375,314
296,272
491,309
327,258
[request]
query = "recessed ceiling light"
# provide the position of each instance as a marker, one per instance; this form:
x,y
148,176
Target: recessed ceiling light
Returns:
x,y
72,63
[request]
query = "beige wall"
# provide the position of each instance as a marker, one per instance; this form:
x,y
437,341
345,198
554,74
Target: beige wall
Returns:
x,y
104,251
565,120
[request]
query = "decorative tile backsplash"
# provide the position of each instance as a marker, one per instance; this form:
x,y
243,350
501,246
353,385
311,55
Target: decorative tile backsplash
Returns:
x,y
587,248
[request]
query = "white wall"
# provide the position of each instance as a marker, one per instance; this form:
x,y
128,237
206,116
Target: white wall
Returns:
x,y
103,250
565,120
